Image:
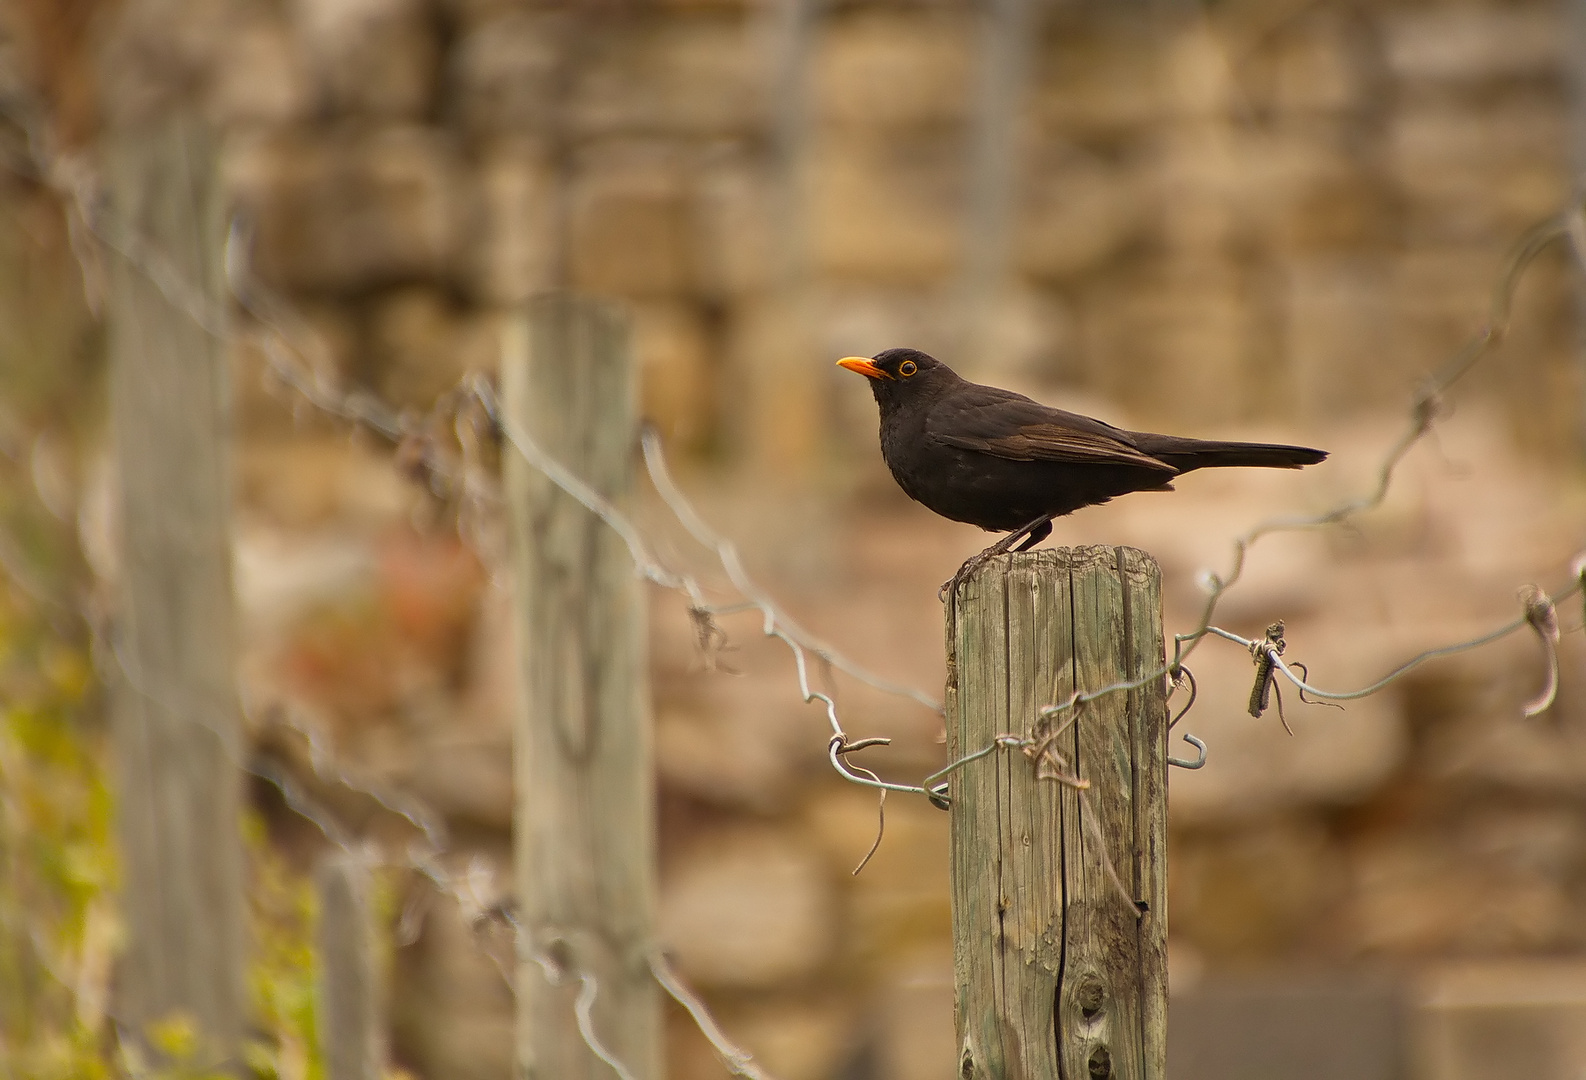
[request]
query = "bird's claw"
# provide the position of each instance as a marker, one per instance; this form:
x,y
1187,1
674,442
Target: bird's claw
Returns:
x,y
965,572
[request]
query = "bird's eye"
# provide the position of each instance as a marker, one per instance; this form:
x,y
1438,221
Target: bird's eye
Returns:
x,y
907,368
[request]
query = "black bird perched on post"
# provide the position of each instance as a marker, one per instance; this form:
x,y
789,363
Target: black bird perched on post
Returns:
x,y
999,460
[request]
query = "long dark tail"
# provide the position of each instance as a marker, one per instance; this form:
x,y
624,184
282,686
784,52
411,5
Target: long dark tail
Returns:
x,y
1187,454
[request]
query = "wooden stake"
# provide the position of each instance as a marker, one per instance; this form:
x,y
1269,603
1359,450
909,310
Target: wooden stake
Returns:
x,y
584,828
175,724
1058,973
350,1033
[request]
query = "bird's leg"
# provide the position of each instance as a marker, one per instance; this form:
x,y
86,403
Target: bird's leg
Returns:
x,y
1031,534
1037,534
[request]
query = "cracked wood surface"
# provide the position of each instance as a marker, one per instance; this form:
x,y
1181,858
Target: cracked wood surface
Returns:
x,y
1057,974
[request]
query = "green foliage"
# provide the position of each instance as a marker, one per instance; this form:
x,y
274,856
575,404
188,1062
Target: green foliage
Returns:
x,y
282,970
57,859
58,876
60,928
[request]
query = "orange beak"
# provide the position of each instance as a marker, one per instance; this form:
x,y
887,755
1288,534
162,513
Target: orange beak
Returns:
x,y
863,366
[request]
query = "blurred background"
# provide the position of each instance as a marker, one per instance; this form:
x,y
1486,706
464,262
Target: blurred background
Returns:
x,y
1232,219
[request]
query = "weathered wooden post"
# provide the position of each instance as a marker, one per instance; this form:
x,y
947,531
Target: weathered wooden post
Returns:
x,y
350,1032
1057,973
175,722
584,827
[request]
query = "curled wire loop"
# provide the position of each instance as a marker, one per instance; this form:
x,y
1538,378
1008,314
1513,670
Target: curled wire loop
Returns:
x,y
1542,616
1199,761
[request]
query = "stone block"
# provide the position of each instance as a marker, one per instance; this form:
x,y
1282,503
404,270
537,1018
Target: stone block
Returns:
x,y
1479,173
1468,43
884,68
631,225
504,70
1338,313
749,907
1024,338
735,207
1100,82
1141,329
262,78
1514,1017
1440,295
901,898
1076,212
421,344
1300,183
302,482
1338,205
778,423
1299,1028
322,343
159,55
675,353
465,779
370,58
885,208
512,255
1476,879
709,757
1259,889
346,213
1319,66
694,75
915,1037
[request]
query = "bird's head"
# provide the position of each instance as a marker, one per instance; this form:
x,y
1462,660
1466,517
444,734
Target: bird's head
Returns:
x,y
898,375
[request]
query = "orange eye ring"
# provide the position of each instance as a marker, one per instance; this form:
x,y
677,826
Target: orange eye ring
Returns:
x,y
907,368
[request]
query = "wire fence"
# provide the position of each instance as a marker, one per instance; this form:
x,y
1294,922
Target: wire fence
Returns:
x,y
443,446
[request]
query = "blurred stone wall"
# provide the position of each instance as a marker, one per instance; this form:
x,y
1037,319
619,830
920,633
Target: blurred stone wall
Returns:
x,y
1248,211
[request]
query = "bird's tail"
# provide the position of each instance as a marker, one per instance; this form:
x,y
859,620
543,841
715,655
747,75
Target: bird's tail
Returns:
x,y
1187,454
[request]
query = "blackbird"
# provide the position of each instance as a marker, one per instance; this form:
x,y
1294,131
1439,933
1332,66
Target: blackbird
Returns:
x,y
999,460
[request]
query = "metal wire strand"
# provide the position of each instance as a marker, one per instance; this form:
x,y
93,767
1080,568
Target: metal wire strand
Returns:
x,y
1423,411
738,1060
727,554
1403,669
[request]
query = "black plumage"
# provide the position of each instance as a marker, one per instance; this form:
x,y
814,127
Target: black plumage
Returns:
x,y
999,460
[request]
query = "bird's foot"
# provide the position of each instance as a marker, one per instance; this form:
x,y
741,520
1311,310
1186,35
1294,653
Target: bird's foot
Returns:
x,y
965,572
1031,534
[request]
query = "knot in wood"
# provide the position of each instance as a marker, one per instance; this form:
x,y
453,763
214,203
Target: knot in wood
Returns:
x,y
1100,1063
1090,996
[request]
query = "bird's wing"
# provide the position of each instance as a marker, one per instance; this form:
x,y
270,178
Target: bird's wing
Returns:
x,y
1019,429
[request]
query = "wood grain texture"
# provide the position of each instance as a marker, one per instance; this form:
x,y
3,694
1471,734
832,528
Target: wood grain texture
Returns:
x,y
175,717
1057,973
350,1031
584,826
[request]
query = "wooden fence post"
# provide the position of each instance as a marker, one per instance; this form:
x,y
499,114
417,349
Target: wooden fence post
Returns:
x,y
175,724
1057,973
350,1032
584,825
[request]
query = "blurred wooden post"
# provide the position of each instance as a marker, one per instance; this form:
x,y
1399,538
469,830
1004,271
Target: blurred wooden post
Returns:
x,y
1574,60
349,992
1003,61
1039,927
779,419
584,826
175,723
